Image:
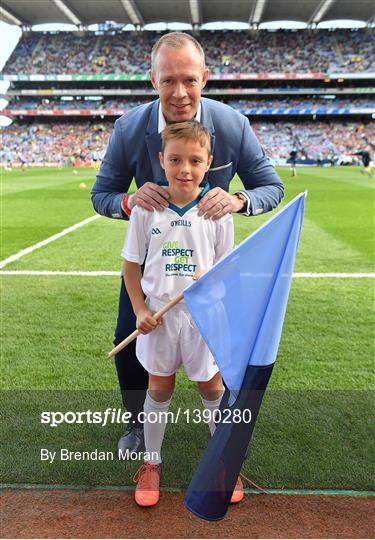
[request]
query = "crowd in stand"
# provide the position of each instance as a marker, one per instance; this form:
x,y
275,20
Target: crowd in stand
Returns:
x,y
80,103
312,139
61,143
124,104
357,54
226,52
69,144
292,102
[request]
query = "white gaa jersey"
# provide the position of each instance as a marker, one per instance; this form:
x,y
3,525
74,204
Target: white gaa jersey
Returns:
x,y
175,244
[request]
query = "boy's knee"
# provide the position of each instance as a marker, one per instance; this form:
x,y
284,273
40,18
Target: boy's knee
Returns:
x,y
161,395
161,388
212,389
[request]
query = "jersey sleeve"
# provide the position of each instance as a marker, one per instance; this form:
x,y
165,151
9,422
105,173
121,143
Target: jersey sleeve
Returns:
x,y
224,237
136,241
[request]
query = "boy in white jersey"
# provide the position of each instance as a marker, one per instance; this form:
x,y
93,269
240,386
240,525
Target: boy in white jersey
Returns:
x,y
176,246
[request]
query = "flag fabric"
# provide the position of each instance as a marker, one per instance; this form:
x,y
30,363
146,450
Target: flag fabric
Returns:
x,y
239,307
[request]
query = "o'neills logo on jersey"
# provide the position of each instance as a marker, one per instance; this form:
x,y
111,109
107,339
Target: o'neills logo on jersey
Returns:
x,y
181,223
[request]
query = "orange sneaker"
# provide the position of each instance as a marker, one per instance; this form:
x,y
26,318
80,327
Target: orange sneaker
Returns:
x,y
238,493
148,479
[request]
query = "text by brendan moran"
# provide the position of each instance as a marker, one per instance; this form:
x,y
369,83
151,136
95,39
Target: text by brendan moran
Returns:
x,y
64,454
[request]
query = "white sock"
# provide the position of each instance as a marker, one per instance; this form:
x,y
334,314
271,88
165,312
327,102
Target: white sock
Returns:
x,y
154,430
212,406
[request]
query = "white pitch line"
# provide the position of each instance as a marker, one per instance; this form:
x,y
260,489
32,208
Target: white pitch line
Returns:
x,y
343,275
303,275
57,273
30,249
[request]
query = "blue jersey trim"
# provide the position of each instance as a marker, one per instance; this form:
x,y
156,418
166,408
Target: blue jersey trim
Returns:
x,y
182,211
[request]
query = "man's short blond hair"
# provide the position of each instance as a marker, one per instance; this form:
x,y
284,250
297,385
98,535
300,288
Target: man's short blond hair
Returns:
x,y
190,131
176,40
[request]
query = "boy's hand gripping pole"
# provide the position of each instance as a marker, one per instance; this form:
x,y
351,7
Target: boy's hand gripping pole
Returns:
x,y
158,315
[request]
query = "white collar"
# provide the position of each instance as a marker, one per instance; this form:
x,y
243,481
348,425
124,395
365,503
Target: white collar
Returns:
x,y
162,123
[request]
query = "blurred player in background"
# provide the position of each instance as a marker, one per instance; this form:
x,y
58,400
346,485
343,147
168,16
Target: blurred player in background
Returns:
x,y
293,159
366,160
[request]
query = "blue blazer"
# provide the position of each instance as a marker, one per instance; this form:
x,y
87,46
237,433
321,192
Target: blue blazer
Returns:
x,y
134,146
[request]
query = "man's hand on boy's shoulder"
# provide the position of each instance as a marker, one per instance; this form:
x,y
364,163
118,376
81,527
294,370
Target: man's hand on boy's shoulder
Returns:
x,y
150,196
217,202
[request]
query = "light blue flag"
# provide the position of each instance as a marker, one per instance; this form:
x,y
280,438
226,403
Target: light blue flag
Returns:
x,y
239,305
239,308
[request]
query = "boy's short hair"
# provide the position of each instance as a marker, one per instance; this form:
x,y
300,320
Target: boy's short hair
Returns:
x,y
190,130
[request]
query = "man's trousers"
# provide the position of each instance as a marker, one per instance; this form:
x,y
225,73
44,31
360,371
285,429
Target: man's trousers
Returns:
x,y
132,376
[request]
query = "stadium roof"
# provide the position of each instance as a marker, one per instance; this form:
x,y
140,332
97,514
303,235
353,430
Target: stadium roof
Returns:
x,y
195,12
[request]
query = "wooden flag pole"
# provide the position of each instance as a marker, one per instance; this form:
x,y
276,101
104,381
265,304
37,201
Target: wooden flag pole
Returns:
x,y
158,315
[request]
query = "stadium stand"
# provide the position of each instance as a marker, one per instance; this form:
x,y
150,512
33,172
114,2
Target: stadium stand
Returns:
x,y
69,144
312,138
310,90
61,143
227,52
118,104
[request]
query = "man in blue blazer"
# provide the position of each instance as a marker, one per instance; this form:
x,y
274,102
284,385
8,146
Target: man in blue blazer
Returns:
x,y
178,74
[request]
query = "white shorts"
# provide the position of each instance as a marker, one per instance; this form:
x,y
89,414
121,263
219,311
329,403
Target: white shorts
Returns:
x,y
175,342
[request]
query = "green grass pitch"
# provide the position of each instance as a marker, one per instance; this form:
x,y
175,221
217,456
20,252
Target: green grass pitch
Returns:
x,y
314,429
